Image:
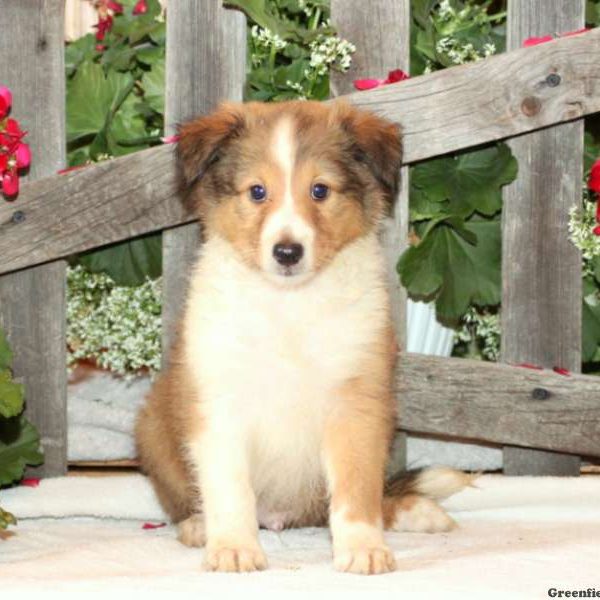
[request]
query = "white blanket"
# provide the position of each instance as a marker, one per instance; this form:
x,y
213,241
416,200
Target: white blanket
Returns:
x,y
518,537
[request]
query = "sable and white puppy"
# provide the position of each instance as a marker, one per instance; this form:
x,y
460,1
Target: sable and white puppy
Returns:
x,y
277,407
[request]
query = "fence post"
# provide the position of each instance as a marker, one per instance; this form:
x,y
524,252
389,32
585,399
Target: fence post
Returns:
x,y
206,63
541,297
380,30
32,301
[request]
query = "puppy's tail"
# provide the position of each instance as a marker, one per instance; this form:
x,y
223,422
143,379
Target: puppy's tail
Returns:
x,y
436,483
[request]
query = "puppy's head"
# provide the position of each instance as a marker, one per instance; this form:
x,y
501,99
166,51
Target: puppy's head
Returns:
x,y
289,185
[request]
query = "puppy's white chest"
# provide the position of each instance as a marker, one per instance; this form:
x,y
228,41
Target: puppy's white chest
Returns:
x,y
268,361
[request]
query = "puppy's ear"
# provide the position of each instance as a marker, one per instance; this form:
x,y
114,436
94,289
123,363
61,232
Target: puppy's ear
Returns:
x,y
376,142
203,140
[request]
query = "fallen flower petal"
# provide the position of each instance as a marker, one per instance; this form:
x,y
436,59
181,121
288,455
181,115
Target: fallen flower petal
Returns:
x,y
31,482
530,366
396,75
367,84
10,183
562,371
69,169
153,525
169,139
140,8
576,32
534,41
23,156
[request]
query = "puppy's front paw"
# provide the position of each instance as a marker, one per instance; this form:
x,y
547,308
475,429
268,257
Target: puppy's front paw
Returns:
x,y
365,561
230,559
191,531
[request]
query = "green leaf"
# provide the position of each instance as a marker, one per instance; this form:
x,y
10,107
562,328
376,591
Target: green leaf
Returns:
x,y
153,83
82,49
467,182
11,395
128,263
92,99
448,266
258,11
590,330
6,354
19,447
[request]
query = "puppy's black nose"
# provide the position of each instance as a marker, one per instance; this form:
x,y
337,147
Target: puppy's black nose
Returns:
x,y
288,254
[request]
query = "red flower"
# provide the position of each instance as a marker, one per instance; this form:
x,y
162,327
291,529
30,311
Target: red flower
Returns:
x,y
23,156
594,178
596,230
5,101
10,183
14,154
103,26
140,8
116,7
393,77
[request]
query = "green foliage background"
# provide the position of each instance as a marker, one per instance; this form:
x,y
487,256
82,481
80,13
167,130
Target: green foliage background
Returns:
x,y
115,106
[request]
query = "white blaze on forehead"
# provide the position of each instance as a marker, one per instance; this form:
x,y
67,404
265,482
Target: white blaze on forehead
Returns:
x,y
284,153
286,222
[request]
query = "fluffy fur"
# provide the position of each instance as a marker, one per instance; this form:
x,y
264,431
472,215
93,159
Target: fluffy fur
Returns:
x,y
277,406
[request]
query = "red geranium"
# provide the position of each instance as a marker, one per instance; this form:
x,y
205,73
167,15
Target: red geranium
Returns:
x,y
141,8
594,178
5,101
593,184
14,153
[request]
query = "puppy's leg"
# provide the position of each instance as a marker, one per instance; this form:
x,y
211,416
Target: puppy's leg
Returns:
x,y
355,450
229,502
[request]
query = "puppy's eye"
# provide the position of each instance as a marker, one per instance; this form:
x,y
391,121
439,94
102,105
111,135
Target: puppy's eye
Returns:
x,y
319,191
258,193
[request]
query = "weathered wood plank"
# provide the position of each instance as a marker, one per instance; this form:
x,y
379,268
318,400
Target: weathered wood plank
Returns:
x,y
441,112
206,63
32,302
380,30
541,296
500,403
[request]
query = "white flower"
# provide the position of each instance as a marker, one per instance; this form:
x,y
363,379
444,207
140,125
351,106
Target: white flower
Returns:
x,y
117,327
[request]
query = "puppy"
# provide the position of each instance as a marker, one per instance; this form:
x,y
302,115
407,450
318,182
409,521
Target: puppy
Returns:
x,y
278,408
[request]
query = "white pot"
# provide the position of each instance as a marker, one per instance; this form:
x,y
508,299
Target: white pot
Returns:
x,y
425,334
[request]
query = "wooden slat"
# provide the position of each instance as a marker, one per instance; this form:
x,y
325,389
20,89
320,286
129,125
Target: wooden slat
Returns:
x,y
206,63
498,403
441,112
541,296
32,302
380,30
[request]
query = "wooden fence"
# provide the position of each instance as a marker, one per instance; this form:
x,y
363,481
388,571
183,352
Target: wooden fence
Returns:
x,y
538,414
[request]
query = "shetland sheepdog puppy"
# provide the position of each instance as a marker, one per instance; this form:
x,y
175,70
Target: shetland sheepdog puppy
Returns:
x,y
277,408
